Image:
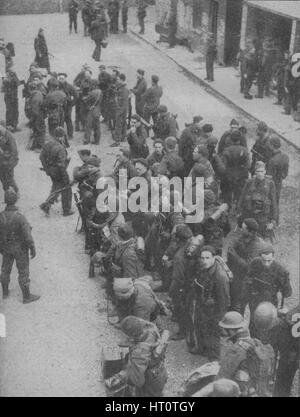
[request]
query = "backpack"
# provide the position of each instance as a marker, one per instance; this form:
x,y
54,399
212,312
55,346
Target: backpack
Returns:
x,y
260,363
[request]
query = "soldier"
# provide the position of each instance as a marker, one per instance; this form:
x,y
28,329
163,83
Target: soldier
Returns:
x,y
113,13
246,361
98,31
139,91
124,15
151,99
261,150
54,159
72,97
189,139
15,244
8,159
278,165
73,9
141,14
136,298
145,374
211,299
104,80
85,87
37,119
265,280
55,103
119,132
215,159
86,15
250,71
165,125
137,138
123,162
93,103
258,201
239,256
10,87
41,51
171,164
279,335
77,85
211,56
236,159
226,141
8,54
158,153
178,288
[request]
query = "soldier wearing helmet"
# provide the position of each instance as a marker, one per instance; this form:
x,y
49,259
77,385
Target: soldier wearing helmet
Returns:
x,y
16,243
278,330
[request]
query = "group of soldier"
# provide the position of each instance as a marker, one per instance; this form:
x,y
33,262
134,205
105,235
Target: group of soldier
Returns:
x,y
270,66
208,284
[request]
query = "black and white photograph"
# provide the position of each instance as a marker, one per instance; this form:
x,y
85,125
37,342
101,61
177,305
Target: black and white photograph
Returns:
x,y
149,201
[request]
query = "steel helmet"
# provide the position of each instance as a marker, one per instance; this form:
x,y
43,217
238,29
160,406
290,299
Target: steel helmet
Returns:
x,y
232,320
265,315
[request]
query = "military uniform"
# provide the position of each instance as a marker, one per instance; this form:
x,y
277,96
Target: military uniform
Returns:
x,y
226,141
165,126
98,31
37,120
261,151
250,70
189,139
113,13
55,161
237,163
73,12
10,87
239,257
8,159
277,168
139,91
122,96
151,99
15,243
209,300
93,103
171,165
41,51
155,158
104,79
71,99
137,143
128,260
264,284
258,201
55,103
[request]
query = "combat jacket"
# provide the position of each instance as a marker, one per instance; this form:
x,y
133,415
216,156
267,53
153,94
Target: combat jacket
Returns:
x,y
189,139
237,162
139,90
54,158
10,84
122,97
278,167
165,126
8,149
137,143
152,98
15,231
70,92
129,261
226,141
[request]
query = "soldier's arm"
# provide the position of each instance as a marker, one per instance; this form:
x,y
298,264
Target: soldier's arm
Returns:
x,y
26,233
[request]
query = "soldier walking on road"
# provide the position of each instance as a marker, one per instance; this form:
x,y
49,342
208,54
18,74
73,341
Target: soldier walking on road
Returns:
x,y
98,31
55,161
41,51
15,244
73,12
8,159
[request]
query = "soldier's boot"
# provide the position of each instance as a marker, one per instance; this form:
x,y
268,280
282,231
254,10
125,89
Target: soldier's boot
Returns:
x,y
5,290
27,296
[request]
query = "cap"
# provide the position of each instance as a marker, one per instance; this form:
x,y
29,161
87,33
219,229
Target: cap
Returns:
x,y
251,224
162,108
155,78
208,248
275,142
125,231
141,72
59,132
259,165
170,143
132,326
123,288
207,128
141,161
232,320
212,141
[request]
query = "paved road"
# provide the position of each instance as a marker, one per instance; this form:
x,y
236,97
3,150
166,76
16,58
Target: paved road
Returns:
x,y
53,346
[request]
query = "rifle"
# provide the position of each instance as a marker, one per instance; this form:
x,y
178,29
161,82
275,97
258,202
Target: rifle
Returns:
x,y
258,154
56,193
79,208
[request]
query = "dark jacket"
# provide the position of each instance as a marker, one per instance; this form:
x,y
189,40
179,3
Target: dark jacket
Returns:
x,y
237,163
8,149
189,139
139,91
41,51
278,167
54,159
171,164
152,98
128,260
165,126
137,142
122,98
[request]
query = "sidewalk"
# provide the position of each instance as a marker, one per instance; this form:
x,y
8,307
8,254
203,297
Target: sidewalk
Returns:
x,y
226,85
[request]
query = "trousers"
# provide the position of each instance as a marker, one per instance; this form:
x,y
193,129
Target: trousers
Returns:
x,y
21,257
7,178
12,110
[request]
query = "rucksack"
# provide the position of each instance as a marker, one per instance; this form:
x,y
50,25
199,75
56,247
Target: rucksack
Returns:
x,y
260,364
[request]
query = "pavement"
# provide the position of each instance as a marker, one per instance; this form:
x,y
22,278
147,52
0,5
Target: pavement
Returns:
x,y
226,85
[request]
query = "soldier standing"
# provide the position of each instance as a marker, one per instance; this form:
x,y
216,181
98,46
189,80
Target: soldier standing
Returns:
x,y
113,13
189,139
266,279
119,132
152,98
71,98
73,12
41,51
124,15
37,119
54,159
93,103
10,87
225,140
8,159
15,244
211,56
258,201
139,91
137,138
278,165
55,103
